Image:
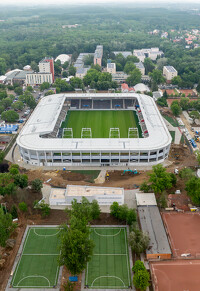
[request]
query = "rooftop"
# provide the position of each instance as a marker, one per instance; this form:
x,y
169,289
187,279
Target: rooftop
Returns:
x,y
45,115
74,190
170,69
146,199
151,223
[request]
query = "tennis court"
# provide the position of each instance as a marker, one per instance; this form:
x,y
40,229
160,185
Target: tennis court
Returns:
x,y
38,265
109,267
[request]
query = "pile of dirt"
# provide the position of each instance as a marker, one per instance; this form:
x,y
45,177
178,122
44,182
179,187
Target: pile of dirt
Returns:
x,y
182,157
72,176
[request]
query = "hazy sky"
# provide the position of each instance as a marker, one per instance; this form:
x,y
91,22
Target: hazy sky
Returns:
x,y
47,2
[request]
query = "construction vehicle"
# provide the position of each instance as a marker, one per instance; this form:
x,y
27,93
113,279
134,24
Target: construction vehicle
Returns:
x,y
107,176
131,172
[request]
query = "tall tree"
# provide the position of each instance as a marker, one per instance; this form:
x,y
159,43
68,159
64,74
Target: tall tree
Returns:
x,y
160,179
6,227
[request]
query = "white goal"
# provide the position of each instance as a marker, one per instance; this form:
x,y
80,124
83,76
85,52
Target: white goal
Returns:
x,y
86,133
114,133
133,132
67,133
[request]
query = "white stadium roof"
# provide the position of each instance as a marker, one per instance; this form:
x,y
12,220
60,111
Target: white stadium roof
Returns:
x,y
45,115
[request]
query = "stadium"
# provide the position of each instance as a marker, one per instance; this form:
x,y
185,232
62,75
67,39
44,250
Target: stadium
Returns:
x,y
95,129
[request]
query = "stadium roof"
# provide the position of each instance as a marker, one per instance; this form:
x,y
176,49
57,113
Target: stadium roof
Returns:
x,y
44,118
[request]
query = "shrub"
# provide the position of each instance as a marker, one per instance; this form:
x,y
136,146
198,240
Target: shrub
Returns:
x,y
23,206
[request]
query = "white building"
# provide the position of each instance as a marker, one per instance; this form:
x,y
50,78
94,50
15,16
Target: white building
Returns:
x,y
63,58
41,145
151,53
104,195
38,78
141,67
119,77
169,72
111,68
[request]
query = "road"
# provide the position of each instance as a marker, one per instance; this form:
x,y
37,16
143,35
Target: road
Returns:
x,y
188,127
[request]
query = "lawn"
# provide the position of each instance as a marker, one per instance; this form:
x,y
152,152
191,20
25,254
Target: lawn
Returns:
x,y
100,122
172,121
109,267
38,265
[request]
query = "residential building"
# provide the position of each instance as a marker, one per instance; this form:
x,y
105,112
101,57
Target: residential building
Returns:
x,y
98,54
111,68
38,78
125,88
151,53
169,72
81,72
119,77
46,65
141,67
125,54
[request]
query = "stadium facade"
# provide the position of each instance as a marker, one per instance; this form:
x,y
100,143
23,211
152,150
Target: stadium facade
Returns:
x,y
41,143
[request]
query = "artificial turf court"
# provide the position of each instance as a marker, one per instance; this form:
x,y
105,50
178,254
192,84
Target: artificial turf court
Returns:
x,y
100,122
38,265
109,267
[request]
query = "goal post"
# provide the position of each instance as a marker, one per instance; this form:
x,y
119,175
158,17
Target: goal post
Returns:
x,y
67,133
114,132
133,132
86,133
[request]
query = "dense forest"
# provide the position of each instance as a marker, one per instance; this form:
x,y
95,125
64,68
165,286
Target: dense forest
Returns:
x,y
29,34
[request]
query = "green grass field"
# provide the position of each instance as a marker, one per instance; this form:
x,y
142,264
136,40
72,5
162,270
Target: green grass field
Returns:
x,y
109,267
38,266
100,122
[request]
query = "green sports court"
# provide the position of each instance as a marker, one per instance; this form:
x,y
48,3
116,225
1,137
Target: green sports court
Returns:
x,y
38,265
109,267
100,122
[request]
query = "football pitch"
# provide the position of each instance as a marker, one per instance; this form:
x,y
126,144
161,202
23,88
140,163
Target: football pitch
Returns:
x,y
100,122
38,265
109,267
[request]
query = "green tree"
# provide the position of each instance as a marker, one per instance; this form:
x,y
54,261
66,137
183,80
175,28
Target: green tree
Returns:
x,y
177,81
141,280
95,209
175,108
149,65
2,156
2,66
161,63
194,115
18,90
14,212
160,179
34,66
10,116
44,207
76,83
65,65
129,67
14,171
184,103
76,249
18,105
6,227
138,241
6,102
145,187
29,88
114,209
72,71
21,180
165,95
193,190
134,78
44,85
186,174
23,207
50,92
157,77
138,266
37,185
81,210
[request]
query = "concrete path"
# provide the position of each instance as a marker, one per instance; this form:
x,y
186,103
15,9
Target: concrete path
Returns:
x,y
101,178
178,133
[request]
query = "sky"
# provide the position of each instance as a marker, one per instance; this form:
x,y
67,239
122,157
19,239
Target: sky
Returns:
x,y
47,2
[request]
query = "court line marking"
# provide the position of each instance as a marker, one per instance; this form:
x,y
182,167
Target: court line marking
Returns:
x,y
33,276
108,277
46,234
21,255
40,254
106,234
109,254
127,256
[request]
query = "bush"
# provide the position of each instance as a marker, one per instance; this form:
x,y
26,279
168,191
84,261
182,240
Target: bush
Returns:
x,y
37,185
138,266
122,212
14,171
23,207
95,209
21,180
13,211
141,280
145,187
